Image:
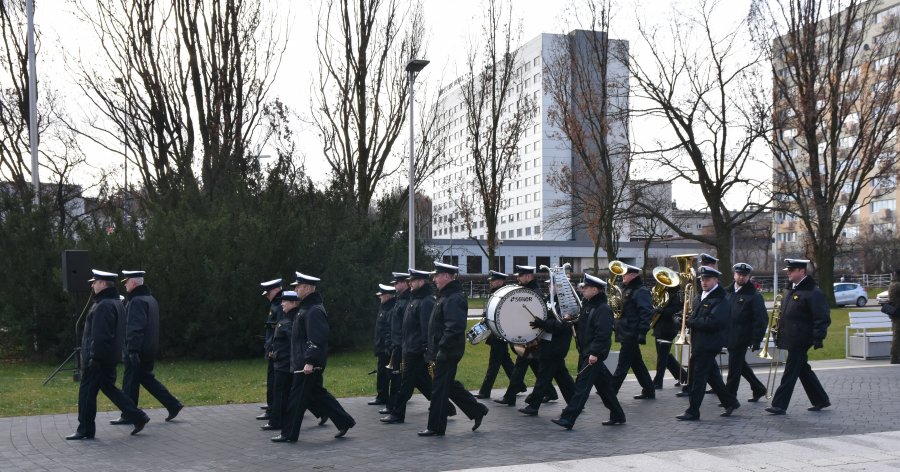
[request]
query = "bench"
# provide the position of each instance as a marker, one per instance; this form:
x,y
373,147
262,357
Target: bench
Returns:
x,y
868,335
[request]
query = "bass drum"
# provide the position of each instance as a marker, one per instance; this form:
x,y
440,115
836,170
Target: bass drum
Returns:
x,y
511,309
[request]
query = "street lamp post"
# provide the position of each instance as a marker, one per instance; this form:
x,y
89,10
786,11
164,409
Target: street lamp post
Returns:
x,y
32,103
777,221
413,68
121,82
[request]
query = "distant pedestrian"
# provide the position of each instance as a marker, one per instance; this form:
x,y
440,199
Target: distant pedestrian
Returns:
x,y
101,350
894,301
142,346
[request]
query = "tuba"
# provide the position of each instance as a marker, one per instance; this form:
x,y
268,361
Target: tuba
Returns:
x,y
613,292
567,298
665,279
688,291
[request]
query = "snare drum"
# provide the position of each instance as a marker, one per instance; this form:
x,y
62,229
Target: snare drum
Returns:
x,y
511,309
478,333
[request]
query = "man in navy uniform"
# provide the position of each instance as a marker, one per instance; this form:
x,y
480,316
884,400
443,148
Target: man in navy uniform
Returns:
x,y
499,356
446,346
101,350
309,353
382,349
142,346
631,332
280,356
709,325
593,339
748,326
272,292
395,357
664,332
805,318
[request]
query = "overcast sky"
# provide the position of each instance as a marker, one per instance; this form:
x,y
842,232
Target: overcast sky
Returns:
x,y
450,26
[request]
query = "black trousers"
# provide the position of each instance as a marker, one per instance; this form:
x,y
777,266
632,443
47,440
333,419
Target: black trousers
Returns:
x,y
548,371
281,391
666,361
705,370
737,368
517,378
446,388
270,383
307,390
599,377
395,379
102,378
142,375
382,377
414,375
499,357
797,366
630,358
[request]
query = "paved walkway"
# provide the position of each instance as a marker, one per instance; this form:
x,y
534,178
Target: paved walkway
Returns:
x,y
863,394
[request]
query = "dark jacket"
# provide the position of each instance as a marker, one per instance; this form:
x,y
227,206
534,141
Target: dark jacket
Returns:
x,y
309,334
805,316
280,348
561,338
104,329
894,297
637,310
447,329
534,285
383,327
594,328
749,317
142,325
416,320
665,328
400,304
275,314
710,321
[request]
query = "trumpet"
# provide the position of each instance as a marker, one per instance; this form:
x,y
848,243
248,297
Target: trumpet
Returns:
x,y
774,322
614,295
665,279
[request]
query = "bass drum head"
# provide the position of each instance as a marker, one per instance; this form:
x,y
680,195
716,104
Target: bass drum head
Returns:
x,y
511,309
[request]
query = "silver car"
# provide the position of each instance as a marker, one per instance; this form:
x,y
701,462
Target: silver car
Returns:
x,y
882,297
850,294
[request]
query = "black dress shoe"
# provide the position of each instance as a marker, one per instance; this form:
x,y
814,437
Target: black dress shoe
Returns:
x,y
522,389
482,396
505,401
710,392
687,417
657,386
644,396
174,412
377,402
280,438
429,432
264,407
268,427
612,422
384,411
775,410
528,410
120,420
563,422
323,420
683,394
263,417
139,425
76,436
756,397
730,409
819,406
342,432
391,419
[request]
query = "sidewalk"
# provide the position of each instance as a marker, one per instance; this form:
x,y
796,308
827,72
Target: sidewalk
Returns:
x,y
226,437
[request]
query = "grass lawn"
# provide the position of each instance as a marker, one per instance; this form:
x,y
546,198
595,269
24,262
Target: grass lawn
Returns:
x,y
243,381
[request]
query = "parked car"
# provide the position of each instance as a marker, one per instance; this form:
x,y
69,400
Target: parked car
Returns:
x,y
850,294
882,297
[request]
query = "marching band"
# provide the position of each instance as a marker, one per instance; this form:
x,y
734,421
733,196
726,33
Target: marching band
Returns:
x,y
420,338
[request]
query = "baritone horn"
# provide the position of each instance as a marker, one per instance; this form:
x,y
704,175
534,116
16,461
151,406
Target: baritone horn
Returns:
x,y
665,279
613,292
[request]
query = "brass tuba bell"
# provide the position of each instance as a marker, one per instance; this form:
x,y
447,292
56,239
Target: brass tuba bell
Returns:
x,y
665,279
613,292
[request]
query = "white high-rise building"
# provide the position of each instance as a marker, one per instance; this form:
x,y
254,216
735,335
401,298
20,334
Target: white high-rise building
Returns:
x,y
533,206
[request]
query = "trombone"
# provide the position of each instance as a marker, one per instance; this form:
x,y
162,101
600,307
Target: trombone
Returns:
x,y
774,361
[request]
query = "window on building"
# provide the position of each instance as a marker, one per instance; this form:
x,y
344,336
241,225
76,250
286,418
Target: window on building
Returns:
x,y
503,235
520,261
850,232
537,214
519,233
527,164
452,260
527,214
473,265
537,61
499,263
879,205
527,198
537,230
527,231
542,260
503,219
537,196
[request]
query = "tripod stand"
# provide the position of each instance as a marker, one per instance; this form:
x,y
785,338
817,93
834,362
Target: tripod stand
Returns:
x,y
76,353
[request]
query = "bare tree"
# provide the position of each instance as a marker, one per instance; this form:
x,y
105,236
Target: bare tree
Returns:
x,y
835,74
181,79
362,90
701,85
648,226
496,115
589,87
